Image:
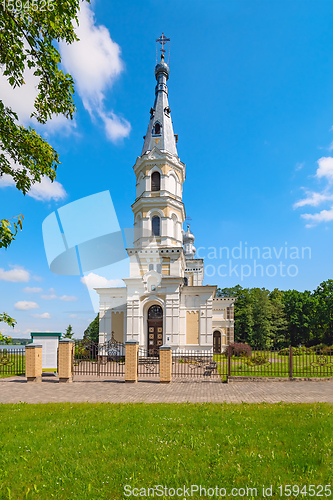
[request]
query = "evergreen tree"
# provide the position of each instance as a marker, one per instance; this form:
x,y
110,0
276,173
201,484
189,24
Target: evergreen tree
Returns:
x,y
69,333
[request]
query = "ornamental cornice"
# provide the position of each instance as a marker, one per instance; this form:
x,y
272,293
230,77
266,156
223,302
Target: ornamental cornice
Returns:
x,y
149,203
160,160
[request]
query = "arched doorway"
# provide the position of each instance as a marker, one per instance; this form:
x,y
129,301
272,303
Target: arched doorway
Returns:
x,y
155,329
217,342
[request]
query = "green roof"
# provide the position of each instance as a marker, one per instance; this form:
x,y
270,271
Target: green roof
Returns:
x,y
46,334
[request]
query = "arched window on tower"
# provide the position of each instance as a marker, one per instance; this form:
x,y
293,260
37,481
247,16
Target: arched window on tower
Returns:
x,y
156,226
157,129
155,181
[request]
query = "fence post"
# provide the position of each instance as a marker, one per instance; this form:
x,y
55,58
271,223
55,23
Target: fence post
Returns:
x,y
165,364
131,361
229,360
65,360
290,361
33,362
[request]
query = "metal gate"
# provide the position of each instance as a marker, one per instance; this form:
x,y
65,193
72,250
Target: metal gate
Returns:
x,y
101,360
199,365
148,365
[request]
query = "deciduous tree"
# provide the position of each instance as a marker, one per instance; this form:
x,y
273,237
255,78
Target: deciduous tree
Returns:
x,y
28,42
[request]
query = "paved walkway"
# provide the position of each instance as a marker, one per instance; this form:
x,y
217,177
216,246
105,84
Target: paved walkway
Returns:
x,y
14,390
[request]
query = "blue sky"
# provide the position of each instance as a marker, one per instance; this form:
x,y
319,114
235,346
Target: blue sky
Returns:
x,y
251,97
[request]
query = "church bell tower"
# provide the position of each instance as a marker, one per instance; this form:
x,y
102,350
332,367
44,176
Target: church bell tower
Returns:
x,y
158,210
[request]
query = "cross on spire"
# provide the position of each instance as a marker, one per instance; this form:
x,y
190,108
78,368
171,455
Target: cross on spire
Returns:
x,y
163,40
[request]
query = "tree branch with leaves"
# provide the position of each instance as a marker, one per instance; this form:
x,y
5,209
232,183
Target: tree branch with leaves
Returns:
x,y
28,42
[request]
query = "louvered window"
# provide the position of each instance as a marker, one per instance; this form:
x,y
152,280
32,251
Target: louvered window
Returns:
x,y
155,181
157,129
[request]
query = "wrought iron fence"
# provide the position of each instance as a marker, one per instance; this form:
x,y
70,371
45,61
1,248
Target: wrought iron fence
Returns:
x,y
288,362
12,361
199,364
148,366
102,360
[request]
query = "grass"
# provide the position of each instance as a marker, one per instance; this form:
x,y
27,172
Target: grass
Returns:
x,y
91,451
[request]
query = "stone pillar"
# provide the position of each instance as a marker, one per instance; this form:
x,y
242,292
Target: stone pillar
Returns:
x,y
165,364
33,362
65,360
131,360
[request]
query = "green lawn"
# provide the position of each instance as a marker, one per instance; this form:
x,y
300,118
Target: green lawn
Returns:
x,y
305,365
91,451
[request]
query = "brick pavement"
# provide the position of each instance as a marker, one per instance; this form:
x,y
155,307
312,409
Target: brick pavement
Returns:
x,y
14,390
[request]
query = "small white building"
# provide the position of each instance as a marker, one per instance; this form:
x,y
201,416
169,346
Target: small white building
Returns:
x,y
164,301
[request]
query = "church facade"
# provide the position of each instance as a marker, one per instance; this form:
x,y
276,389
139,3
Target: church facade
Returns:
x,y
164,300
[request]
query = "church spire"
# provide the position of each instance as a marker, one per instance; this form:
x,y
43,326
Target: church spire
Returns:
x,y
160,130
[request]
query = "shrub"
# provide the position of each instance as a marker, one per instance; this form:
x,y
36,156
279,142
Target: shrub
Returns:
x,y
257,360
297,351
319,347
240,350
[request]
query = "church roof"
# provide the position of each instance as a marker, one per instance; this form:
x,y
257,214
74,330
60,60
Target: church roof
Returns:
x,y
160,130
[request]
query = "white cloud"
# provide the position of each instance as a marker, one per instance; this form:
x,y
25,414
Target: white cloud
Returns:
x,y
49,297
28,330
115,128
313,199
43,315
94,62
25,305
299,166
323,216
41,191
325,168
16,275
68,298
73,315
28,289
37,278
47,190
95,281
21,99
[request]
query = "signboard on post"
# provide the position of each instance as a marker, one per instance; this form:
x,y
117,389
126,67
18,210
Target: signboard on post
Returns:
x,y
50,343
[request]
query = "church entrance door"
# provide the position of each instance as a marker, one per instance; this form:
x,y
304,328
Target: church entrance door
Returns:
x,y
155,329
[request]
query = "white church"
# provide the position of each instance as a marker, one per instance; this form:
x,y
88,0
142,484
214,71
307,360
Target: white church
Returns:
x,y
164,300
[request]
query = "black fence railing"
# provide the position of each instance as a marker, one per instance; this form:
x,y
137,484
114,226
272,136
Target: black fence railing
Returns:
x,y
12,361
92,358
187,364
288,362
148,365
